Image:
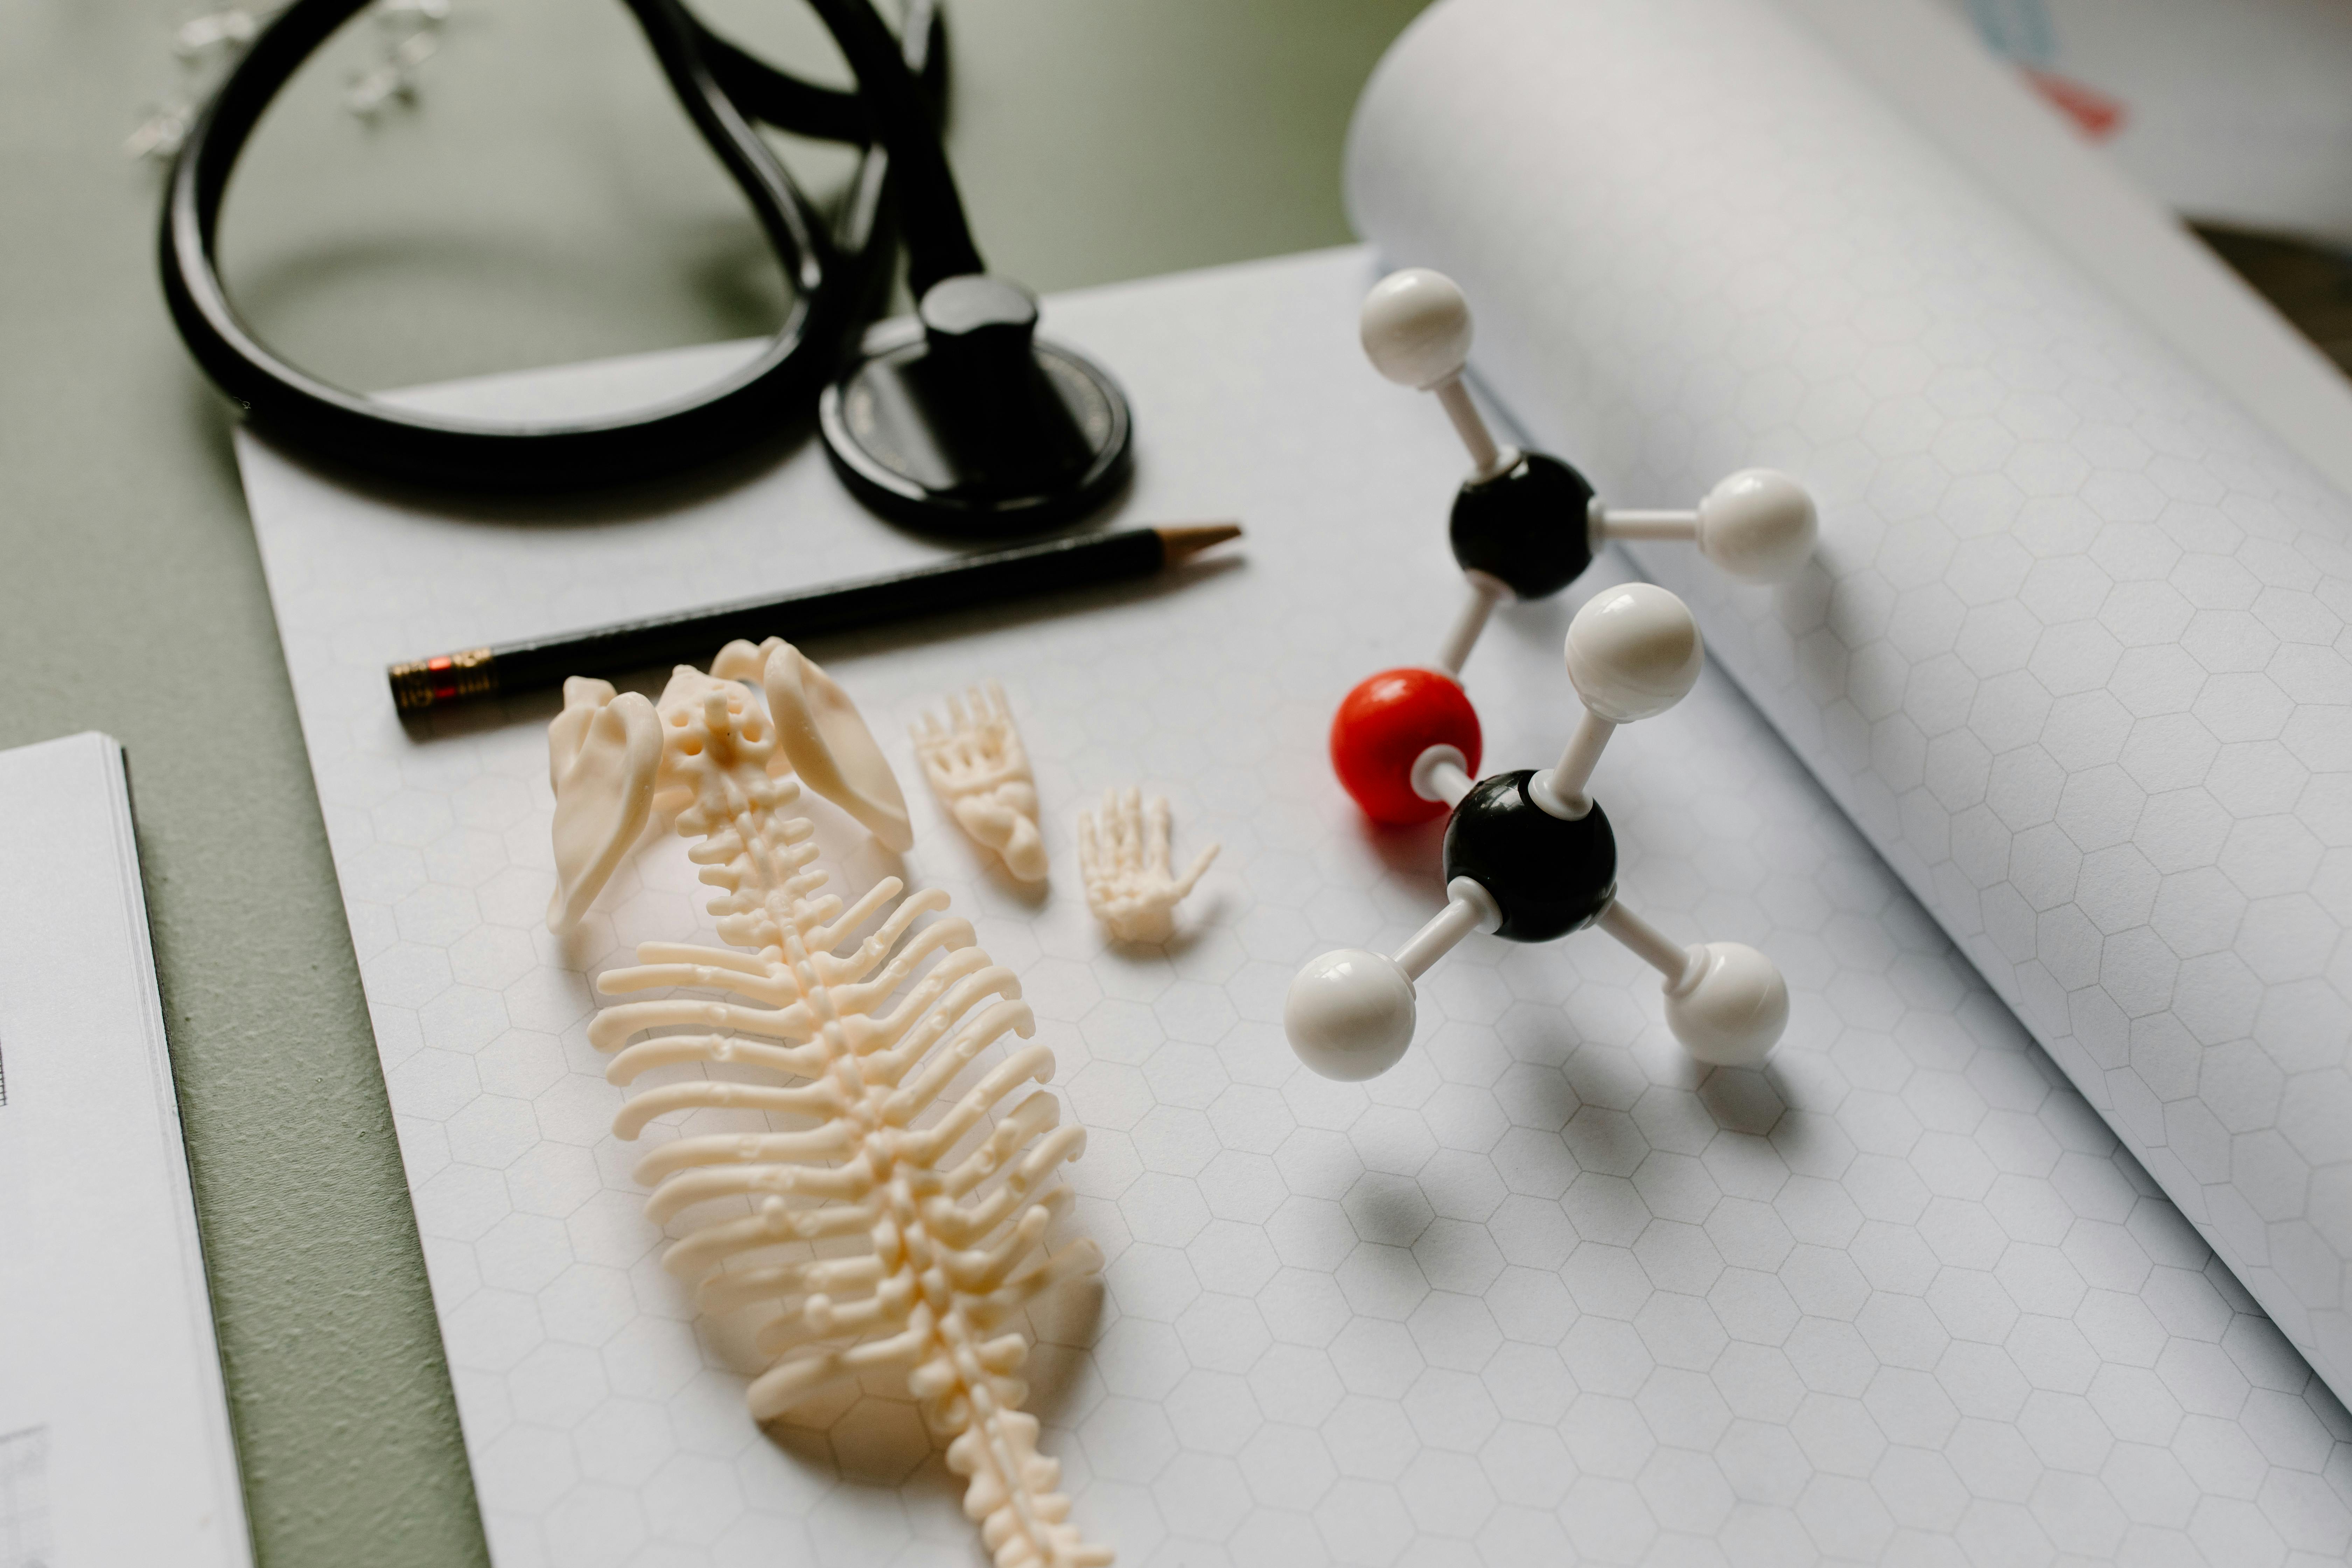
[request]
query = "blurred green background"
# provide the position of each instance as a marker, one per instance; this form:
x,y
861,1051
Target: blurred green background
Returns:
x,y
542,201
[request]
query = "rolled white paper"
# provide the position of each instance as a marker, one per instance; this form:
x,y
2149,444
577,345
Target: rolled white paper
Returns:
x,y
2072,651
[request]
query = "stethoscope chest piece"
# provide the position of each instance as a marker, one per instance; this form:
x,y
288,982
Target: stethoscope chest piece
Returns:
x,y
962,419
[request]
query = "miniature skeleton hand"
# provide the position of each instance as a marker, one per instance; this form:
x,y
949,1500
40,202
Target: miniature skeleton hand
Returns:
x,y
1124,859
978,769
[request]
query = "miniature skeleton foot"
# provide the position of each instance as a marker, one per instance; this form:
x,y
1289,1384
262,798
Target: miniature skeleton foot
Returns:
x,y
615,759
980,773
1124,860
857,1174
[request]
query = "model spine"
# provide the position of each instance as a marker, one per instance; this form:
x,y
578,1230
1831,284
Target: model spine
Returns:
x,y
955,1230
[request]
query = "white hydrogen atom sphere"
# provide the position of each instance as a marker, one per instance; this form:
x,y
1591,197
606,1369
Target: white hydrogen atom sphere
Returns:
x,y
1416,327
1633,652
1350,1014
1759,525
1733,1017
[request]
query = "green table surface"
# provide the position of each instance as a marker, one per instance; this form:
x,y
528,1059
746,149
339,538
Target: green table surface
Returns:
x,y
541,202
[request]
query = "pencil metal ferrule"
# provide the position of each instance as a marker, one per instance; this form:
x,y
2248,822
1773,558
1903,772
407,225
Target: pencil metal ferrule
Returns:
x,y
420,683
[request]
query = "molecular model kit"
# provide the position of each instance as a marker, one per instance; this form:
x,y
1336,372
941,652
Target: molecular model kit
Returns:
x,y
1528,854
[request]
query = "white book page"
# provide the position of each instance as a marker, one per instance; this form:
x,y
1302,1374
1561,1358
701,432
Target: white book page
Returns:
x,y
2072,651
1543,1290
2227,110
114,1437
1982,115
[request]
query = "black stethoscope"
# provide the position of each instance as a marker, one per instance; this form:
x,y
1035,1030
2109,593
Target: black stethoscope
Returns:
x,y
959,420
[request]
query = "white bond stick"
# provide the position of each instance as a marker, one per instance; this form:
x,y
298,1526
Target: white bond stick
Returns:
x,y
1632,652
1559,790
1616,524
1485,593
1648,944
1416,331
1441,772
1469,907
1487,458
1757,525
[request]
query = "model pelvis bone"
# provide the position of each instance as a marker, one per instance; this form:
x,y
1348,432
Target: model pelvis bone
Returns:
x,y
615,759
978,766
883,1219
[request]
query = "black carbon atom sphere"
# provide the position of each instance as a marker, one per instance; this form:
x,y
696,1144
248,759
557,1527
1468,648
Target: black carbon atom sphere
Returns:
x,y
1527,526
1548,876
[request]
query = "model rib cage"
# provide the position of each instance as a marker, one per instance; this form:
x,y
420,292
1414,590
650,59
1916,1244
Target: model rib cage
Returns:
x,y
860,1049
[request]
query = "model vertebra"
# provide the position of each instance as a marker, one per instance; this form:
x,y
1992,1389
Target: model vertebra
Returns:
x,y
1124,859
952,1208
980,771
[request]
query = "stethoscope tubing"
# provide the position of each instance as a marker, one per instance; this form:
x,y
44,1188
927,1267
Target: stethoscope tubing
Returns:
x,y
836,278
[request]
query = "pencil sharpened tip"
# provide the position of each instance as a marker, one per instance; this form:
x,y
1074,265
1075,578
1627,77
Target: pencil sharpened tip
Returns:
x,y
1179,540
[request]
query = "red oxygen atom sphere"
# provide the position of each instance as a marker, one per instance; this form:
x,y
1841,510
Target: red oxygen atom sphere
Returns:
x,y
1381,730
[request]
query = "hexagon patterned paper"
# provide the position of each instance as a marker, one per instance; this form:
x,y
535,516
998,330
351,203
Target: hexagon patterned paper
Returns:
x,y
2075,655
1544,1293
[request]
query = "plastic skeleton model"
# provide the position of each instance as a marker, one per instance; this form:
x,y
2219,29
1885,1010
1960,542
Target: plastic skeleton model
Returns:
x,y
1529,856
1525,526
952,1213
1124,859
978,769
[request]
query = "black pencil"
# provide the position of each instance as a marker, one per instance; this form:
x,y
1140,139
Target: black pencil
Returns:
x,y
963,582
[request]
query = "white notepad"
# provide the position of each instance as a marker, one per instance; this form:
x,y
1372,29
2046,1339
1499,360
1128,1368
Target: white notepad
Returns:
x,y
1542,1286
114,1434
2072,651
